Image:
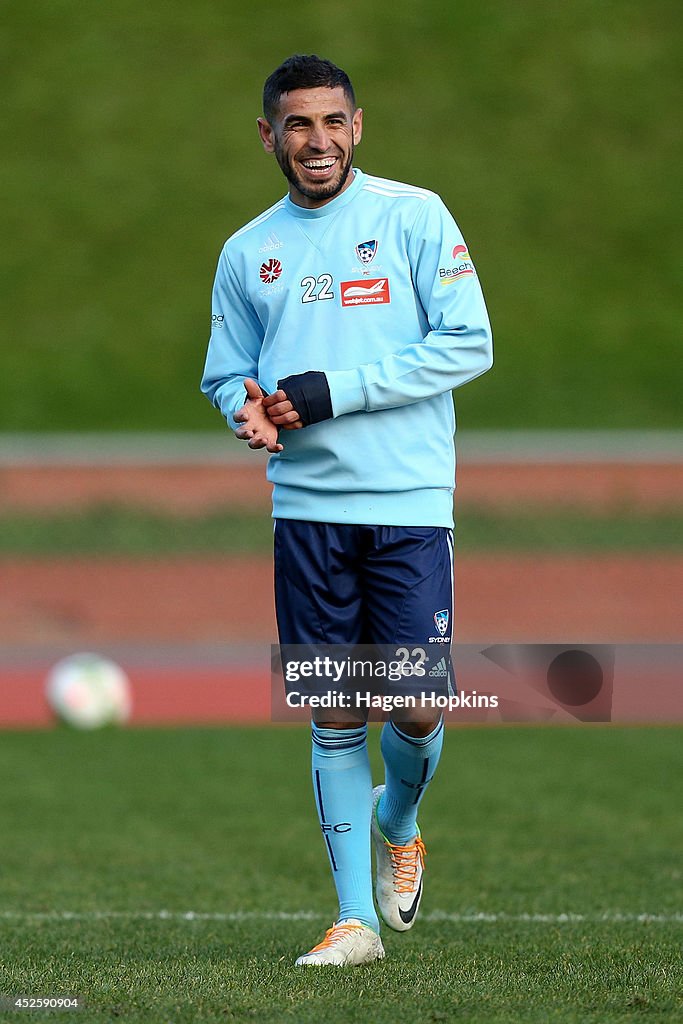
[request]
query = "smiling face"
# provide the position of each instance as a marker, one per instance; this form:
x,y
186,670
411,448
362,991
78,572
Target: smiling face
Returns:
x,y
313,138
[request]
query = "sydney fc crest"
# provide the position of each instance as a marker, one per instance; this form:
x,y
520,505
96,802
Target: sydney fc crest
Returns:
x,y
366,251
441,620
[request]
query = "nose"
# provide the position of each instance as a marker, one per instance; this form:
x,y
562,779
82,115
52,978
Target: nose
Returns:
x,y
319,138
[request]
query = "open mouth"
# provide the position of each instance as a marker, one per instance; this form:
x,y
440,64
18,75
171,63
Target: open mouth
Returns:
x,y
319,167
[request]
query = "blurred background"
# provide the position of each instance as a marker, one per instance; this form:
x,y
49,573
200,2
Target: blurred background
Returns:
x,y
131,522
151,870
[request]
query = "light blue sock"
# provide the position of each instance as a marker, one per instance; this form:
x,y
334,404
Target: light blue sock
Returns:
x,y
342,785
409,763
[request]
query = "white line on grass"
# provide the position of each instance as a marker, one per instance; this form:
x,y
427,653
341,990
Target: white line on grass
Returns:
x,y
436,916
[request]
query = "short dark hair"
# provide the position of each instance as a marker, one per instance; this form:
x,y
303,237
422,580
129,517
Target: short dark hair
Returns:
x,y
303,72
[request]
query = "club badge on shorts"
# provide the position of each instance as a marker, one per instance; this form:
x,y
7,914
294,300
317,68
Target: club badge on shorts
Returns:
x,y
441,620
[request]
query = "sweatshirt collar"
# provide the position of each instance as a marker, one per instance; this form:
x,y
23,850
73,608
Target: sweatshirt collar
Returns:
x,y
333,206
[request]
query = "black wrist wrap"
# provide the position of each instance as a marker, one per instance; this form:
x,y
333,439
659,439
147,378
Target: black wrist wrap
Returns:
x,y
309,393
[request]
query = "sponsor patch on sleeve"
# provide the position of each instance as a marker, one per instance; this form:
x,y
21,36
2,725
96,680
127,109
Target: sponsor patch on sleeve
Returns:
x,y
462,266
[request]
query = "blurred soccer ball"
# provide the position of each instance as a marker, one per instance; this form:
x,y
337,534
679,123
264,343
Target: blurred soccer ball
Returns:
x,y
88,691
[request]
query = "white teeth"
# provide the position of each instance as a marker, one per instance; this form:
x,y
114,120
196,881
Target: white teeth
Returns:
x,y
318,165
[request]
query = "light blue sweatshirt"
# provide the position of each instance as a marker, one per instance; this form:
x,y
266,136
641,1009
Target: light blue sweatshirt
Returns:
x,y
377,290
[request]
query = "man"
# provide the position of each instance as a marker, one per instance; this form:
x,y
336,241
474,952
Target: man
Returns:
x,y
342,318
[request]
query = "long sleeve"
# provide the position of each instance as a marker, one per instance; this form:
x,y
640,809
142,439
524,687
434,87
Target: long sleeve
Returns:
x,y
234,345
457,348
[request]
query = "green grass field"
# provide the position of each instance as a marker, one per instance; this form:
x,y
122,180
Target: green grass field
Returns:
x,y
119,530
129,154
103,833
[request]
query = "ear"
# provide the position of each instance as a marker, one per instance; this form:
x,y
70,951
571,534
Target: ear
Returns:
x,y
266,133
357,126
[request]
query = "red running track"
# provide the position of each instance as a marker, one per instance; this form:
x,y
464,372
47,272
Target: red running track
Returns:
x,y
162,696
191,695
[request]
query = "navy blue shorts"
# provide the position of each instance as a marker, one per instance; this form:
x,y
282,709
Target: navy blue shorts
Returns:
x,y
342,583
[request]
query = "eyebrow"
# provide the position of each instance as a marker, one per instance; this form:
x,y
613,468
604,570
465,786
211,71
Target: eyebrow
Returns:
x,y
307,120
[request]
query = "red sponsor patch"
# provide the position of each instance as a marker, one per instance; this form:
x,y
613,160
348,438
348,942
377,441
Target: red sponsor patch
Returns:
x,y
270,271
370,291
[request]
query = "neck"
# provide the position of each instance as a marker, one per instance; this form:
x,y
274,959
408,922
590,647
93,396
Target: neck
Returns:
x,y
310,203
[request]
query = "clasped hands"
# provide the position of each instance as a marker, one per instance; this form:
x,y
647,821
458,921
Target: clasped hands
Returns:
x,y
263,416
